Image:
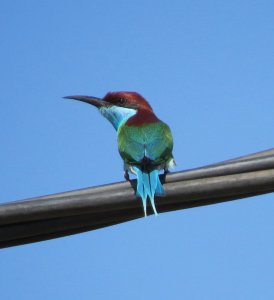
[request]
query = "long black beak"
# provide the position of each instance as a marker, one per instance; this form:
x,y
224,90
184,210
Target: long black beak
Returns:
x,y
98,102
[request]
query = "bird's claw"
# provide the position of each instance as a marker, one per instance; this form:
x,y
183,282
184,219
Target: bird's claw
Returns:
x,y
126,176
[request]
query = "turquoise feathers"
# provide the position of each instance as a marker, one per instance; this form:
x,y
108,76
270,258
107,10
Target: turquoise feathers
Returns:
x,y
117,115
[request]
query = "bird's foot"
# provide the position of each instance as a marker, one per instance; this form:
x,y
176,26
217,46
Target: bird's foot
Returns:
x,y
166,171
126,176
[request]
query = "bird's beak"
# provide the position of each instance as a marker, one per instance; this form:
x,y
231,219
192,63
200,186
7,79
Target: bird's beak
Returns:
x,y
98,102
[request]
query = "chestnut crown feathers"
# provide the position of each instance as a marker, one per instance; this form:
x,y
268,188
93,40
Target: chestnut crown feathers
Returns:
x,y
128,99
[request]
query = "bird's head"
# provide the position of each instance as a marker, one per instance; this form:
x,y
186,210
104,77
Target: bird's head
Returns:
x,y
117,107
131,100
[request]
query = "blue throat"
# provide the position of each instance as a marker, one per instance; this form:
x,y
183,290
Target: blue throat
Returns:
x,y
117,115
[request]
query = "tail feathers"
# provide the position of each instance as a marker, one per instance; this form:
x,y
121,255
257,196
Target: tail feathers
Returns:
x,y
159,187
148,184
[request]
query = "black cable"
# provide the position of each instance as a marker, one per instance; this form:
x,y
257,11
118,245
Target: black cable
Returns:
x,y
67,213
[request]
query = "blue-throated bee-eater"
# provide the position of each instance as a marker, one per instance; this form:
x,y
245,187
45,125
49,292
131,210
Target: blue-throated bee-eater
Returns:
x,y
145,143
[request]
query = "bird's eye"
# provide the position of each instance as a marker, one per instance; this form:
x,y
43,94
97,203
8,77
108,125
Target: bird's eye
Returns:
x,y
122,101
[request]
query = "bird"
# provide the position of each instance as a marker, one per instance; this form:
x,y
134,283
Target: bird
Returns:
x,y
145,143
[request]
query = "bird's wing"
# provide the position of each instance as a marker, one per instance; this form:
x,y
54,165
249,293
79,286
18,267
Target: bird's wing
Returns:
x,y
131,143
153,141
159,142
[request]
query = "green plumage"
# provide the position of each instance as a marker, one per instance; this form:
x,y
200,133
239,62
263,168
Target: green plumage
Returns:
x,y
153,140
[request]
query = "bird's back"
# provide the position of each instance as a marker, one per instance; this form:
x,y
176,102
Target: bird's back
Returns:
x,y
145,143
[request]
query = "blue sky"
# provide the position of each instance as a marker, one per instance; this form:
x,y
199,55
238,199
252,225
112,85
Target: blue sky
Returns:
x,y
207,68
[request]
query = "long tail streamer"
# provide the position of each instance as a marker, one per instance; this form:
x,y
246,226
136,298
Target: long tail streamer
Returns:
x,y
148,184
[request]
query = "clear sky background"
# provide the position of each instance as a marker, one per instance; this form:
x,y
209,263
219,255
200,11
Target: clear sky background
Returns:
x,y
207,68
